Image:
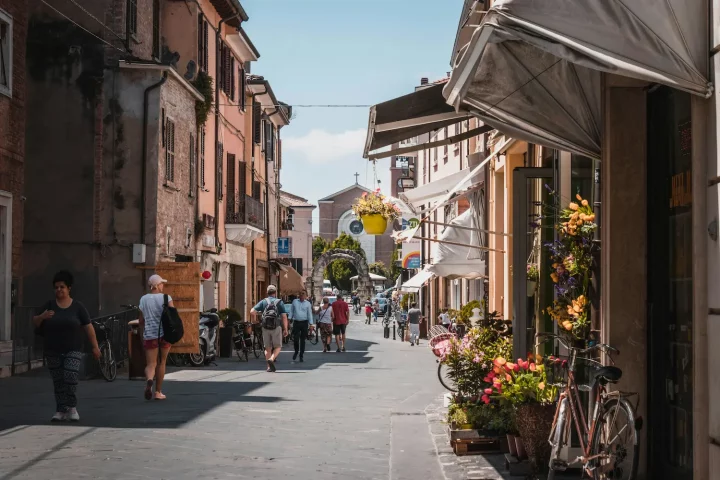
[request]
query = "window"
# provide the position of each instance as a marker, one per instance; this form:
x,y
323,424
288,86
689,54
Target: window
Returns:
x,y
243,87
132,17
257,118
202,43
193,165
202,158
256,190
156,29
227,71
6,34
230,202
269,141
170,151
219,163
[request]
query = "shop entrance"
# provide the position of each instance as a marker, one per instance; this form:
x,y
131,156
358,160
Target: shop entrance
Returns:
x,y
670,285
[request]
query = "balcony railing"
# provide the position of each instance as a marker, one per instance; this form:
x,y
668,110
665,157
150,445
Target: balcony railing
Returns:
x,y
248,211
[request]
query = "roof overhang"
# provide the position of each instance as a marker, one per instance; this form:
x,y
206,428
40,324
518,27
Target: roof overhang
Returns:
x,y
242,234
231,10
409,116
240,43
278,112
124,64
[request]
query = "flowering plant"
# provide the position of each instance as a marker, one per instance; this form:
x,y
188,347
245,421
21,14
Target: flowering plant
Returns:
x,y
375,203
573,259
532,272
519,383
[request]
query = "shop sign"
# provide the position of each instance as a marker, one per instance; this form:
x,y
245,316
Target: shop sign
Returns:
x,y
411,249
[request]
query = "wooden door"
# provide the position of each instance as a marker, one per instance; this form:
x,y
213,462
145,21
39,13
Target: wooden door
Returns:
x,y
183,285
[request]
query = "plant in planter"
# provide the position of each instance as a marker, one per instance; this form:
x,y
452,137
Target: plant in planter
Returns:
x,y
375,211
533,274
573,261
225,333
523,385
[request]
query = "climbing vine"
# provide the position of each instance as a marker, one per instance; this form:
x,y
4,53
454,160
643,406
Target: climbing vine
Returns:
x,y
204,85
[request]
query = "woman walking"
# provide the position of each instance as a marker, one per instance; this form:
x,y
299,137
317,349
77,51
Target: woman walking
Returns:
x,y
151,308
62,322
325,324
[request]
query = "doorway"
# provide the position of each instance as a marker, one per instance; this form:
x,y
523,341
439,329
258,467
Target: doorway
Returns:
x,y
670,285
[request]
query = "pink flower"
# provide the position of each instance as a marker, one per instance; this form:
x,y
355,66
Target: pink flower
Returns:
x,y
491,375
508,377
533,367
500,361
364,194
541,385
488,391
477,359
377,190
487,380
486,399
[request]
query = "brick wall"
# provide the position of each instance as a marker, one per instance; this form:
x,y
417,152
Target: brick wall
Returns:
x,y
12,128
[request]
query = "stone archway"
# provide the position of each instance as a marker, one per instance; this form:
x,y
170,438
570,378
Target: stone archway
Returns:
x,y
314,283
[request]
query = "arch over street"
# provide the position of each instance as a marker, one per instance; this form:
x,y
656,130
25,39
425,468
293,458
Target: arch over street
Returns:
x,y
314,282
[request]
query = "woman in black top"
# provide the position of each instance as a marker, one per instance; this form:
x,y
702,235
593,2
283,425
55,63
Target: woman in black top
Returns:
x,y
61,323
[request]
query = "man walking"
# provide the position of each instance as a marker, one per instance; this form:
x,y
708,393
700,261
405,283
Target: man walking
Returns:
x,y
340,316
414,319
274,325
302,316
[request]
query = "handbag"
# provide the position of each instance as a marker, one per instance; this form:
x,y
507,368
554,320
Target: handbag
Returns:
x,y
172,325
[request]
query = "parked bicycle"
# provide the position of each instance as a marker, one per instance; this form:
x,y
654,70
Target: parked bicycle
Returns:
x,y
242,339
108,366
610,443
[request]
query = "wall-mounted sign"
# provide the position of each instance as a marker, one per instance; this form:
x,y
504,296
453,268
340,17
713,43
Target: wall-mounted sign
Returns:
x,y
411,249
284,246
356,227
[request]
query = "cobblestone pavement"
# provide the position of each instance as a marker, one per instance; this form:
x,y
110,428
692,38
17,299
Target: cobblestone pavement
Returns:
x,y
357,415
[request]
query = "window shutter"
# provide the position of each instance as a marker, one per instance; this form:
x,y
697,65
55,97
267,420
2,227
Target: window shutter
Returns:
x,y
220,152
268,140
193,165
206,49
243,87
232,78
170,152
257,113
202,158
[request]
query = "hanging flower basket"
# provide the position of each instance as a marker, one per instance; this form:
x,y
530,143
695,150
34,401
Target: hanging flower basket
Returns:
x,y
531,286
375,212
374,224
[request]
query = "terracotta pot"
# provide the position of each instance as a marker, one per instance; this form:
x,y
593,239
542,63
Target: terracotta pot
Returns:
x,y
520,447
534,422
511,445
374,224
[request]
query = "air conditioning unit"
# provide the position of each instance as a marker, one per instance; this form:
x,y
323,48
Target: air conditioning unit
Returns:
x,y
208,241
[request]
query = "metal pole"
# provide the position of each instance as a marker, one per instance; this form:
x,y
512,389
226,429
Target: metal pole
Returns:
x,y
394,330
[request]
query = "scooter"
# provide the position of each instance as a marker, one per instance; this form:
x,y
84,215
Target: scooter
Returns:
x,y
209,322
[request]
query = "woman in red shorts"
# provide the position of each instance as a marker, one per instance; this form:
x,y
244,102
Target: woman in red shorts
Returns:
x,y
151,308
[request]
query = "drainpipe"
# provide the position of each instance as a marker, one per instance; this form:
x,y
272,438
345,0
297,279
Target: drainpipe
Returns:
x,y
218,181
144,154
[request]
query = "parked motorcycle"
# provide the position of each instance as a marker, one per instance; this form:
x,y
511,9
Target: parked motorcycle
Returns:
x,y
209,322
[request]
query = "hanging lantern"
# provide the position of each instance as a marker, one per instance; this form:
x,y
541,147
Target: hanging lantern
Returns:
x,y
206,275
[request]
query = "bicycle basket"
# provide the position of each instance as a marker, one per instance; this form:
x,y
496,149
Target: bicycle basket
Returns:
x,y
557,371
101,331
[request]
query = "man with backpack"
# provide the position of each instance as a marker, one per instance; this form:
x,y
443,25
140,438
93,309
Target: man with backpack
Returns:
x,y
274,325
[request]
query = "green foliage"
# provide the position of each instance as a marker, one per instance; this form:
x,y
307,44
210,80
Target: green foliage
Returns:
x,y
490,417
378,268
520,383
319,245
340,271
463,315
229,315
204,84
395,268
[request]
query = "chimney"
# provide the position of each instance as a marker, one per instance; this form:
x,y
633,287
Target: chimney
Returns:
x,y
424,81
449,73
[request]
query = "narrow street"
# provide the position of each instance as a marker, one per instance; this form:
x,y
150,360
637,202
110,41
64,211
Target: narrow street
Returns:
x,y
357,415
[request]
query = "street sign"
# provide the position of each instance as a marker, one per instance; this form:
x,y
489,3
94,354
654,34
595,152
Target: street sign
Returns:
x,y
356,227
284,247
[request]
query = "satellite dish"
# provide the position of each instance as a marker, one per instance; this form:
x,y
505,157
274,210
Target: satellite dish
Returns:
x,y
191,70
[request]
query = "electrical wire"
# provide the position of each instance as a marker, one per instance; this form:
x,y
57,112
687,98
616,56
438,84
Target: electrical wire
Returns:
x,y
81,27
97,20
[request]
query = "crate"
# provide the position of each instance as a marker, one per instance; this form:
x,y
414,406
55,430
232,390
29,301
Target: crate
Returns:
x,y
474,442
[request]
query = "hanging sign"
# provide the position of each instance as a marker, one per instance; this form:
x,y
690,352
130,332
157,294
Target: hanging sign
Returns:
x,y
411,248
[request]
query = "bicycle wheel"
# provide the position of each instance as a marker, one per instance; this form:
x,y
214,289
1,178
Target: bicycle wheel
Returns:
x,y
257,346
198,359
558,437
243,354
617,442
445,378
108,367
314,336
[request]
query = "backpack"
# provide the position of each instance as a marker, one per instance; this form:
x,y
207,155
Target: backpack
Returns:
x,y
172,325
270,315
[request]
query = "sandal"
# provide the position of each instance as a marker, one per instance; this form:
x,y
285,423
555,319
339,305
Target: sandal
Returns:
x,y
148,389
159,396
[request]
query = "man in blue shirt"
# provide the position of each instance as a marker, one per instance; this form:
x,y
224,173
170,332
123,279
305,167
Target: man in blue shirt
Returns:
x,y
272,338
302,316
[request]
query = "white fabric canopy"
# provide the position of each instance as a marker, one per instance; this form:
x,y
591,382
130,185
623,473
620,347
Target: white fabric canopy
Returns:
x,y
454,261
372,277
437,189
417,281
532,69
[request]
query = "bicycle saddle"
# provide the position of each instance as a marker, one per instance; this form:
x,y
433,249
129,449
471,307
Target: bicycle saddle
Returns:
x,y
608,374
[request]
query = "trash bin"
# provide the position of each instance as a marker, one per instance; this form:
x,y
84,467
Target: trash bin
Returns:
x,y
136,352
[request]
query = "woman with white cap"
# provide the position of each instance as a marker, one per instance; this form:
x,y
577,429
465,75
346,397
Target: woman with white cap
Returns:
x,y
151,308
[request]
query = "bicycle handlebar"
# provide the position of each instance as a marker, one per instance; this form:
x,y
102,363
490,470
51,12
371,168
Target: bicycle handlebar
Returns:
x,y
598,346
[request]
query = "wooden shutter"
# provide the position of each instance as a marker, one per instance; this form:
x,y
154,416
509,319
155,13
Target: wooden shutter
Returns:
x,y
230,200
170,151
202,158
268,140
243,87
206,50
201,44
193,165
183,285
257,118
232,77
220,152
242,180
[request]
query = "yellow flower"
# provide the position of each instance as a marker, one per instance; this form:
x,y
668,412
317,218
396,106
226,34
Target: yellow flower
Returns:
x,y
584,203
577,195
554,277
573,206
567,325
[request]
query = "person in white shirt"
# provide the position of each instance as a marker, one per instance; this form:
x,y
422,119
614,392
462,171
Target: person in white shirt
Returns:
x,y
444,319
302,316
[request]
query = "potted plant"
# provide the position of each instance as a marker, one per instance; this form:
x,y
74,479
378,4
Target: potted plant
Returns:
x,y
523,385
227,317
374,210
532,278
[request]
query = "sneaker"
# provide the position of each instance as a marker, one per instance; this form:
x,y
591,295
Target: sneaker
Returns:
x,y
338,351
73,415
271,365
295,356
58,417
301,360
412,344
343,349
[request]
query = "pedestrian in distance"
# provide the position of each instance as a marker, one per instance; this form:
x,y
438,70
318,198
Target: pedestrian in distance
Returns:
x,y
62,322
444,319
156,348
340,316
274,324
376,309
302,317
414,319
368,313
325,324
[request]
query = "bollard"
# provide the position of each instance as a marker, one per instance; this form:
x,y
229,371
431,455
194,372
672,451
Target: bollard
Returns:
x,y
393,330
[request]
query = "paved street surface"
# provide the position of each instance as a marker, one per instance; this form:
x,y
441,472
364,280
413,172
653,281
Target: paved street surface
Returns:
x,y
357,415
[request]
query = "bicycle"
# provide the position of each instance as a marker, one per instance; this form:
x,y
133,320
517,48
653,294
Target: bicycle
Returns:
x,y
258,346
401,329
602,458
108,366
242,339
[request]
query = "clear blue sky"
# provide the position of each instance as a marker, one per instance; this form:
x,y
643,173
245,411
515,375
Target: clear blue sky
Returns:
x,y
344,52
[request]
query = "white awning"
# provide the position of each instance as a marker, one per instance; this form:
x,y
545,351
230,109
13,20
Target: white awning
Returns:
x,y
372,277
435,190
455,261
532,69
418,281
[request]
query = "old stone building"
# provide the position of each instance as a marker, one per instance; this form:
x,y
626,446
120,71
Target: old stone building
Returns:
x,y
13,27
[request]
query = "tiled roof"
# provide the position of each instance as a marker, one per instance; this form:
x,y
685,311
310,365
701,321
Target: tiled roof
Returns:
x,y
294,201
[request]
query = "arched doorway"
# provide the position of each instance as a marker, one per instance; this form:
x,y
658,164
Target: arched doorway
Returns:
x,y
315,281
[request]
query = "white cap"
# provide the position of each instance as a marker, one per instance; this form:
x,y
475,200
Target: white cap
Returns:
x,y
155,280
271,288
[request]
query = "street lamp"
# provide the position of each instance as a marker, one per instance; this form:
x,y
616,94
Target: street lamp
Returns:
x,y
406,183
